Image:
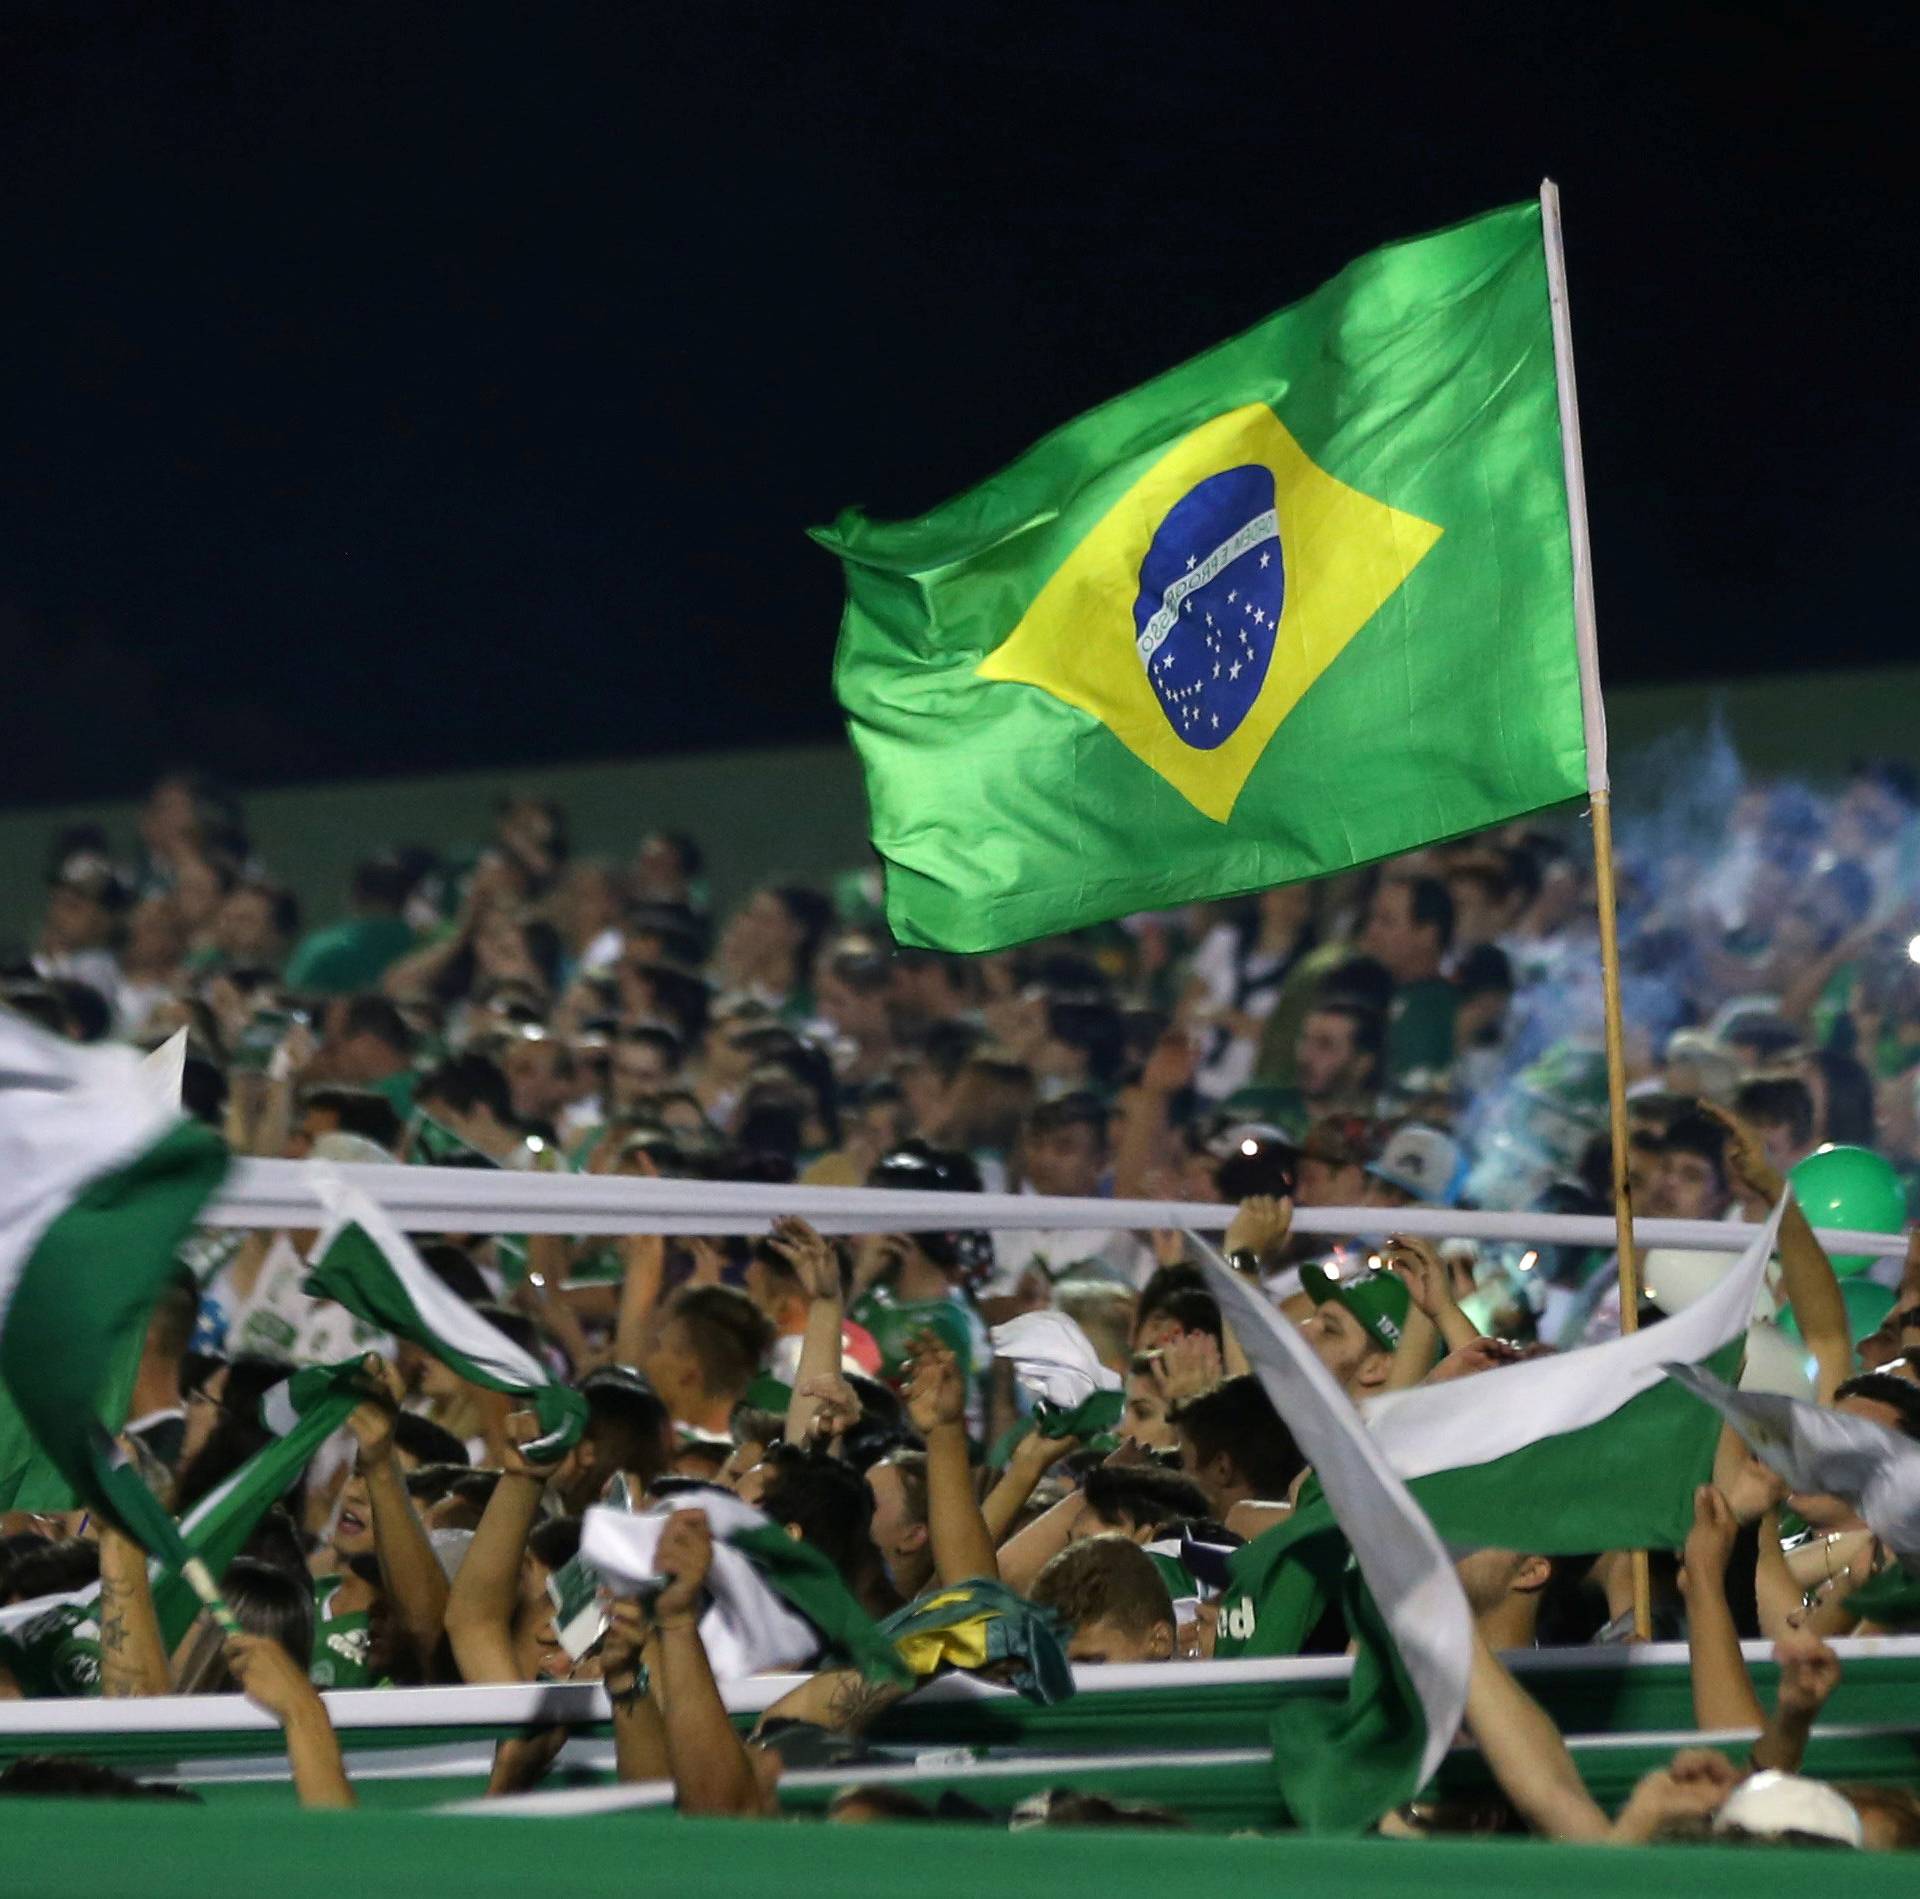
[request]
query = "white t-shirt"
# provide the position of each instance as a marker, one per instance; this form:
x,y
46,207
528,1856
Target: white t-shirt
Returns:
x,y
278,1320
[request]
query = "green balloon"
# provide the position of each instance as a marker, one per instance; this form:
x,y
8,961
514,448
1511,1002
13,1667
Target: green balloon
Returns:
x,y
1867,1306
1850,1187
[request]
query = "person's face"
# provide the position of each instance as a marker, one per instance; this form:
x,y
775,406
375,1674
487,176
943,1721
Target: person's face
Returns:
x,y
203,1413
635,1069
1479,1019
243,926
1341,1343
1321,1183
75,920
168,817
500,950
1776,1142
314,1122
1107,1641
1886,1349
1489,1576
1145,1417
155,939
1690,1188
1066,1160
657,867
533,1075
899,1536
852,1012
353,1528
925,1092
1390,937
1324,1056
1475,919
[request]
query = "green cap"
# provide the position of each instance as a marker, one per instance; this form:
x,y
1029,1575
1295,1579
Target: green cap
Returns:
x,y
1378,1300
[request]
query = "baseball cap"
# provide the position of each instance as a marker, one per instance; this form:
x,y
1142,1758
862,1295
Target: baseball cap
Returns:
x,y
1378,1300
1772,1804
1421,1161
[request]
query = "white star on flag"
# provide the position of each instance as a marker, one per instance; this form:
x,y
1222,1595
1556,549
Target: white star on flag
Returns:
x,y
1233,672
1264,558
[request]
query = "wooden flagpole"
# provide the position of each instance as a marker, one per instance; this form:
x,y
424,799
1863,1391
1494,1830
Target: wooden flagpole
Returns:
x,y
1600,797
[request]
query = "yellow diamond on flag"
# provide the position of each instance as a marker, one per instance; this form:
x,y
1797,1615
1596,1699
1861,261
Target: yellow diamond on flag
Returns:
x,y
1194,617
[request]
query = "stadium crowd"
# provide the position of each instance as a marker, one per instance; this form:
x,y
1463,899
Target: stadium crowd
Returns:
x,y
1424,1032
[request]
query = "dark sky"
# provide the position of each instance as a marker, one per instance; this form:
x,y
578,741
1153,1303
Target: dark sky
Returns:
x,y
395,387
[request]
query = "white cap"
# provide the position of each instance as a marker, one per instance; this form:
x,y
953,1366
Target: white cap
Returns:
x,y
1421,1161
1771,1804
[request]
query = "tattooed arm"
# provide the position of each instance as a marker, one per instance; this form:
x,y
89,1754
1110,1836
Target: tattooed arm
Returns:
x,y
133,1659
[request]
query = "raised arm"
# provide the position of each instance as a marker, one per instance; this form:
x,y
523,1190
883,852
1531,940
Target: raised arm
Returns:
x,y
133,1657
273,1680
486,1589
1723,1695
1809,1673
410,1573
816,1263
1526,1755
937,1404
1812,1290
629,1659
644,1261
1031,1459
712,1773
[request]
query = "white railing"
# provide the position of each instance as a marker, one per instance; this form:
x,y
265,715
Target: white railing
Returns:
x,y
281,1193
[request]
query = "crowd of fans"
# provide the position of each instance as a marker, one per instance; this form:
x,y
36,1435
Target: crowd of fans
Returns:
x,y
1421,1032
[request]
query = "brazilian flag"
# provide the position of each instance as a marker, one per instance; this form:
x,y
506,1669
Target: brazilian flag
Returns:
x,y
1303,602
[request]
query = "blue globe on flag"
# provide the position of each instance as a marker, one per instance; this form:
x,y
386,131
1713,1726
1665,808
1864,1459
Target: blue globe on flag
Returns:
x,y
1211,589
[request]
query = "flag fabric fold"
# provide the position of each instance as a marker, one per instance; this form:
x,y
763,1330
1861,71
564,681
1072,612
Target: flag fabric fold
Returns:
x,y
750,1625
365,1263
1593,1449
100,1182
1818,1451
1342,1768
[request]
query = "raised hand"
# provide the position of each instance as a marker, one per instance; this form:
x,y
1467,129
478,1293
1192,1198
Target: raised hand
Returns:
x,y
936,1392
1710,1541
372,1422
1746,1159
1187,1366
522,1428
1261,1225
814,1258
1419,1264
839,1406
268,1676
685,1556
1809,1673
628,1627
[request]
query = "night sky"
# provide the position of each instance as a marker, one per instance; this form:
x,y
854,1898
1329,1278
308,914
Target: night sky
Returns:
x,y
394,387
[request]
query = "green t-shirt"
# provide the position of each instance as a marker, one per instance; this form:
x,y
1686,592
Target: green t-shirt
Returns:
x,y
56,1654
341,1641
346,958
1420,1027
